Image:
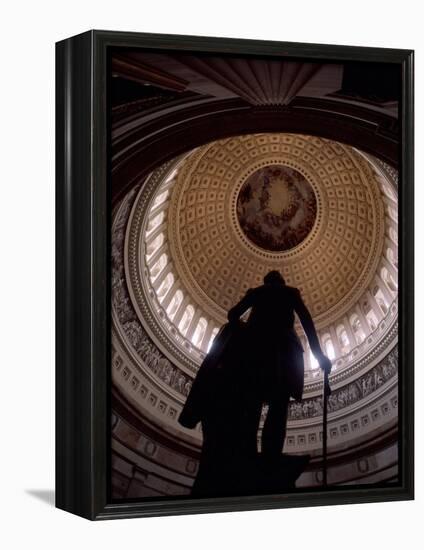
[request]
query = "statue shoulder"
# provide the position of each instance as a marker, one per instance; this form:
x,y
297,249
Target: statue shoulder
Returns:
x,y
294,292
253,291
293,289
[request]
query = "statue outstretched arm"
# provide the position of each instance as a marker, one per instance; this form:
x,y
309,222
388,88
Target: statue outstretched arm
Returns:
x,y
309,328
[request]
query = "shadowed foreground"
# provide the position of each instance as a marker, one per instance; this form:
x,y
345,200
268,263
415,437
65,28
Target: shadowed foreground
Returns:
x,y
221,400
248,477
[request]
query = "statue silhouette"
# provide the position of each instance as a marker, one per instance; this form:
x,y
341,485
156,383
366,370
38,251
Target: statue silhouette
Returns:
x,y
276,353
251,364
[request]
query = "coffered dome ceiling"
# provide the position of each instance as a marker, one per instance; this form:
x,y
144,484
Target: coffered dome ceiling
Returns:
x,y
322,224
208,226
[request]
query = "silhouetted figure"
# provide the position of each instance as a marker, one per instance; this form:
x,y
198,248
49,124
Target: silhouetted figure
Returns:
x,y
249,364
275,355
219,401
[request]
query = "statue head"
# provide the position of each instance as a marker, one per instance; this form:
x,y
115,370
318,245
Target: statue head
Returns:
x,y
274,278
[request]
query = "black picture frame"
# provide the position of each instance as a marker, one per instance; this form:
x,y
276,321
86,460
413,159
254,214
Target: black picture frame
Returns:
x,y
82,275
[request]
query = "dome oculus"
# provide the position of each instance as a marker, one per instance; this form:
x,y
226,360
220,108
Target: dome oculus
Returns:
x,y
276,208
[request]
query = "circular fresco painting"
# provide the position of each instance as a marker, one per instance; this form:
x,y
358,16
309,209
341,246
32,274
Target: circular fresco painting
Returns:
x,y
276,208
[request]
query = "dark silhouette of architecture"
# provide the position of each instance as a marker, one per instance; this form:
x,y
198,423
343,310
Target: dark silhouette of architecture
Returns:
x,y
251,363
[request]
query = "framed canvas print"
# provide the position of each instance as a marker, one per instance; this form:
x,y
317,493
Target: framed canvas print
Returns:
x,y
234,274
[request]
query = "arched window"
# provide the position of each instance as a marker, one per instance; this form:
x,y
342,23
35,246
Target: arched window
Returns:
x,y
392,213
366,308
380,299
343,339
212,338
154,245
186,319
393,235
160,198
158,266
381,302
370,315
388,279
389,193
165,286
174,304
313,361
155,221
371,318
391,256
199,332
357,328
171,175
328,346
